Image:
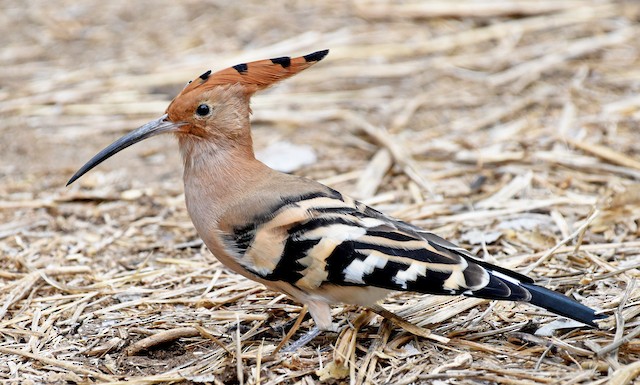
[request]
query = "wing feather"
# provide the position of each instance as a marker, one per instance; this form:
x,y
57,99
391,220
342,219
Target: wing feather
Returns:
x,y
323,240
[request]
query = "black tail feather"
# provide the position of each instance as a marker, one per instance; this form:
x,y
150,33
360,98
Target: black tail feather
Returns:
x,y
502,289
561,304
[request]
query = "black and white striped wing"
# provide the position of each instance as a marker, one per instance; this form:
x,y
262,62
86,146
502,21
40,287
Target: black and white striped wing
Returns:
x,y
325,238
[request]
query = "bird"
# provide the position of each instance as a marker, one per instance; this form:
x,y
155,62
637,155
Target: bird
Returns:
x,y
298,236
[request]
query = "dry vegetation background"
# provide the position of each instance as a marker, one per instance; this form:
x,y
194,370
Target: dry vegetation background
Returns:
x,y
510,127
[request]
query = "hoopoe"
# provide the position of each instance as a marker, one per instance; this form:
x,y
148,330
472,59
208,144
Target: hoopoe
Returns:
x,y
297,236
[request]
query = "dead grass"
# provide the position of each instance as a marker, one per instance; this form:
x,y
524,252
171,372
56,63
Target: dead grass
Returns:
x,y
510,127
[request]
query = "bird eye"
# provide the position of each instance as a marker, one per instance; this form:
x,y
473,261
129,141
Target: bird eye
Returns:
x,y
203,110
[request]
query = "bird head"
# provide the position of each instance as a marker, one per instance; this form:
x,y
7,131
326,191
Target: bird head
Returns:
x,y
213,107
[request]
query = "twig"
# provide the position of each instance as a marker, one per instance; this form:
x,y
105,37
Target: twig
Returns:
x,y
239,370
466,9
291,331
57,363
551,251
161,338
411,328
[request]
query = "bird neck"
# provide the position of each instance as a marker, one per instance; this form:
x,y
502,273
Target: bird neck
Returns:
x,y
217,175
199,154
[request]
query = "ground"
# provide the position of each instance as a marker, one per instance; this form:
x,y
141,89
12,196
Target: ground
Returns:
x,y
509,127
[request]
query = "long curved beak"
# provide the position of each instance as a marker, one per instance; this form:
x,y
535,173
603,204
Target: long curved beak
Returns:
x,y
150,129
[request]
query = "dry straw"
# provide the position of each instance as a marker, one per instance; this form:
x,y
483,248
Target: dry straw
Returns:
x,y
510,127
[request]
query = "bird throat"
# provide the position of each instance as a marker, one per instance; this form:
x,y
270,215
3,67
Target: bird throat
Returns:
x,y
218,172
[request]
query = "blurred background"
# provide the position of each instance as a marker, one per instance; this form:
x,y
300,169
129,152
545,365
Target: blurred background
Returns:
x,y
505,126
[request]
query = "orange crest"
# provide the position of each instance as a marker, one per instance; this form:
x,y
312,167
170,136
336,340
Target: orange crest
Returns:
x,y
257,75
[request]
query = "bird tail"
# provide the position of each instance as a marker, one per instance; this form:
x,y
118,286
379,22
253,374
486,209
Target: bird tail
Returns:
x,y
561,304
508,285
505,284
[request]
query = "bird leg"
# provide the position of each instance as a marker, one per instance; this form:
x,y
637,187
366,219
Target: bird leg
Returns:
x,y
302,341
321,314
